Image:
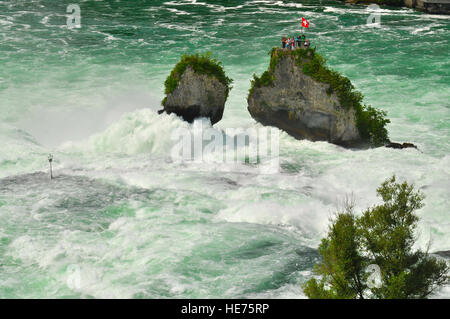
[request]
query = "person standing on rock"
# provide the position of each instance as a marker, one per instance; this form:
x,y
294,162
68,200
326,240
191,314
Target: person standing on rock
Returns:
x,y
283,42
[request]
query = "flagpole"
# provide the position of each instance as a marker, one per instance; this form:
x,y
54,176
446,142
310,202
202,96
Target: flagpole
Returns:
x,y
304,32
302,44
306,29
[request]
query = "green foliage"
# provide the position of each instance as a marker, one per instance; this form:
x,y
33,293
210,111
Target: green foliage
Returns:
x,y
342,264
371,122
384,236
200,63
266,79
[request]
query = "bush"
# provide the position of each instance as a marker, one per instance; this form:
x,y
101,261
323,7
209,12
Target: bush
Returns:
x,y
382,236
371,122
200,63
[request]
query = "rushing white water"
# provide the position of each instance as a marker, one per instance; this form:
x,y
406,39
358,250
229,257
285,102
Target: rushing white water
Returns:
x,y
132,222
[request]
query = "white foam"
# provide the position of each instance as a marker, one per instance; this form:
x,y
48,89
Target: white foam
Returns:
x,y
143,131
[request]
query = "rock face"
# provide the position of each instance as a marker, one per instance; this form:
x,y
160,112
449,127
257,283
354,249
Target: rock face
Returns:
x,y
303,107
430,6
444,253
197,95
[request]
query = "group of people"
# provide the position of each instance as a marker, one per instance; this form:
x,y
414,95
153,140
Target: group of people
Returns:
x,y
292,43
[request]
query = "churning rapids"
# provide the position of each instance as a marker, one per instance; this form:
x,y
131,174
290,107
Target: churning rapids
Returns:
x,y
130,222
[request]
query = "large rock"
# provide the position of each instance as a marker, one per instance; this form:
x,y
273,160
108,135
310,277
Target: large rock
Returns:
x,y
197,95
302,106
432,6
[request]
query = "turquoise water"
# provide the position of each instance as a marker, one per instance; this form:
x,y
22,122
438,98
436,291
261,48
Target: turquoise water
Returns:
x,y
132,223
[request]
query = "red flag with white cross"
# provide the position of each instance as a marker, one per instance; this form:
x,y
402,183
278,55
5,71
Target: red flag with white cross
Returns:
x,y
305,23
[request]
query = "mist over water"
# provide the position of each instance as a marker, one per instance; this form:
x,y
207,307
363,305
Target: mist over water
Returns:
x,y
135,224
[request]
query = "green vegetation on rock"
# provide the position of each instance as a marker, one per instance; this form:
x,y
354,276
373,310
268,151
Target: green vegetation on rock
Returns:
x,y
371,122
372,256
201,64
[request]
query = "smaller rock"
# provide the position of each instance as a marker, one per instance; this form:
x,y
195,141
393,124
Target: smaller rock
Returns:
x,y
400,146
197,87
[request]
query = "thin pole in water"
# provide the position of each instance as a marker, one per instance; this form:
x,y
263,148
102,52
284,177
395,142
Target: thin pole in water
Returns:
x,y
50,160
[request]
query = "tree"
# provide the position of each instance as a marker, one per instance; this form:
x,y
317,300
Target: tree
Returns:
x,y
384,236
